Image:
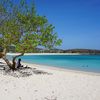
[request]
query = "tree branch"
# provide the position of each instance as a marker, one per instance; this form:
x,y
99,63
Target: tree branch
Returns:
x,y
17,57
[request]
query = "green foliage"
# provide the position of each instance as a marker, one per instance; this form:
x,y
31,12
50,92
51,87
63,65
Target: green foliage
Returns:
x,y
22,27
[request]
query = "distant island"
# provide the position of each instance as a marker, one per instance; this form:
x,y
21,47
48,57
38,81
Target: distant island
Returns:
x,y
11,49
82,51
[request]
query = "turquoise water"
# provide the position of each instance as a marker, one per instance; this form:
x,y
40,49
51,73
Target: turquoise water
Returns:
x,y
74,62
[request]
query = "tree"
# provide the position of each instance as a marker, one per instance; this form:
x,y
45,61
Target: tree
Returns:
x,y
21,26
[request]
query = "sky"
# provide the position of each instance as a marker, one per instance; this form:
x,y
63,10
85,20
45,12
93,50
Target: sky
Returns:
x,y
77,22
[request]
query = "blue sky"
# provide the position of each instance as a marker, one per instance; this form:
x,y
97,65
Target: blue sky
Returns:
x,y
77,22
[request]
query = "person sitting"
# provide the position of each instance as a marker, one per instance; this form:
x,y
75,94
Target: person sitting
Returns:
x,y
19,63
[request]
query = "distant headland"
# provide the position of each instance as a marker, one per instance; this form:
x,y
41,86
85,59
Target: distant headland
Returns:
x,y
78,51
55,50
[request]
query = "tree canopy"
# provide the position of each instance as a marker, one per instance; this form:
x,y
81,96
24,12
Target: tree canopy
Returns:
x,y
21,26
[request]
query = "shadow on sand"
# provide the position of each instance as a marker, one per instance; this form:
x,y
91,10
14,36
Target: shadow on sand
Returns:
x,y
21,72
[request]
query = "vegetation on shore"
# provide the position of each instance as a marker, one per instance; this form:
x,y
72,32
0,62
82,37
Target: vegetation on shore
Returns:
x,y
81,51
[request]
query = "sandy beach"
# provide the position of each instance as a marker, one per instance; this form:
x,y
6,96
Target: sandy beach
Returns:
x,y
46,53
52,84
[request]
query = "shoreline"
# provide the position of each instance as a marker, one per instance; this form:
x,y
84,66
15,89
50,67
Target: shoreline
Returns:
x,y
55,67
46,67
43,66
61,69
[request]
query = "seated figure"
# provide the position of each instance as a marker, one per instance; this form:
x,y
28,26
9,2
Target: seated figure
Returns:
x,y
19,63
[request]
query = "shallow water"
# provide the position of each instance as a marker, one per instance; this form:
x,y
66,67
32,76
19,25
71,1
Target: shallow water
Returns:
x,y
74,62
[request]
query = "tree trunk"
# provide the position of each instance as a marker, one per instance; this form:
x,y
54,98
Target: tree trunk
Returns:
x,y
7,62
3,56
12,65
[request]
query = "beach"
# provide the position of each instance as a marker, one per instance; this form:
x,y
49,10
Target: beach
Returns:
x,y
46,53
49,50
54,84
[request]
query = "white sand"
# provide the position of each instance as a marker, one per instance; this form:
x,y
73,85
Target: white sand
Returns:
x,y
45,53
60,85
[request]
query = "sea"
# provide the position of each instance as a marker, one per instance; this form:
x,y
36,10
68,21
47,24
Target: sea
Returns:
x,y
87,63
